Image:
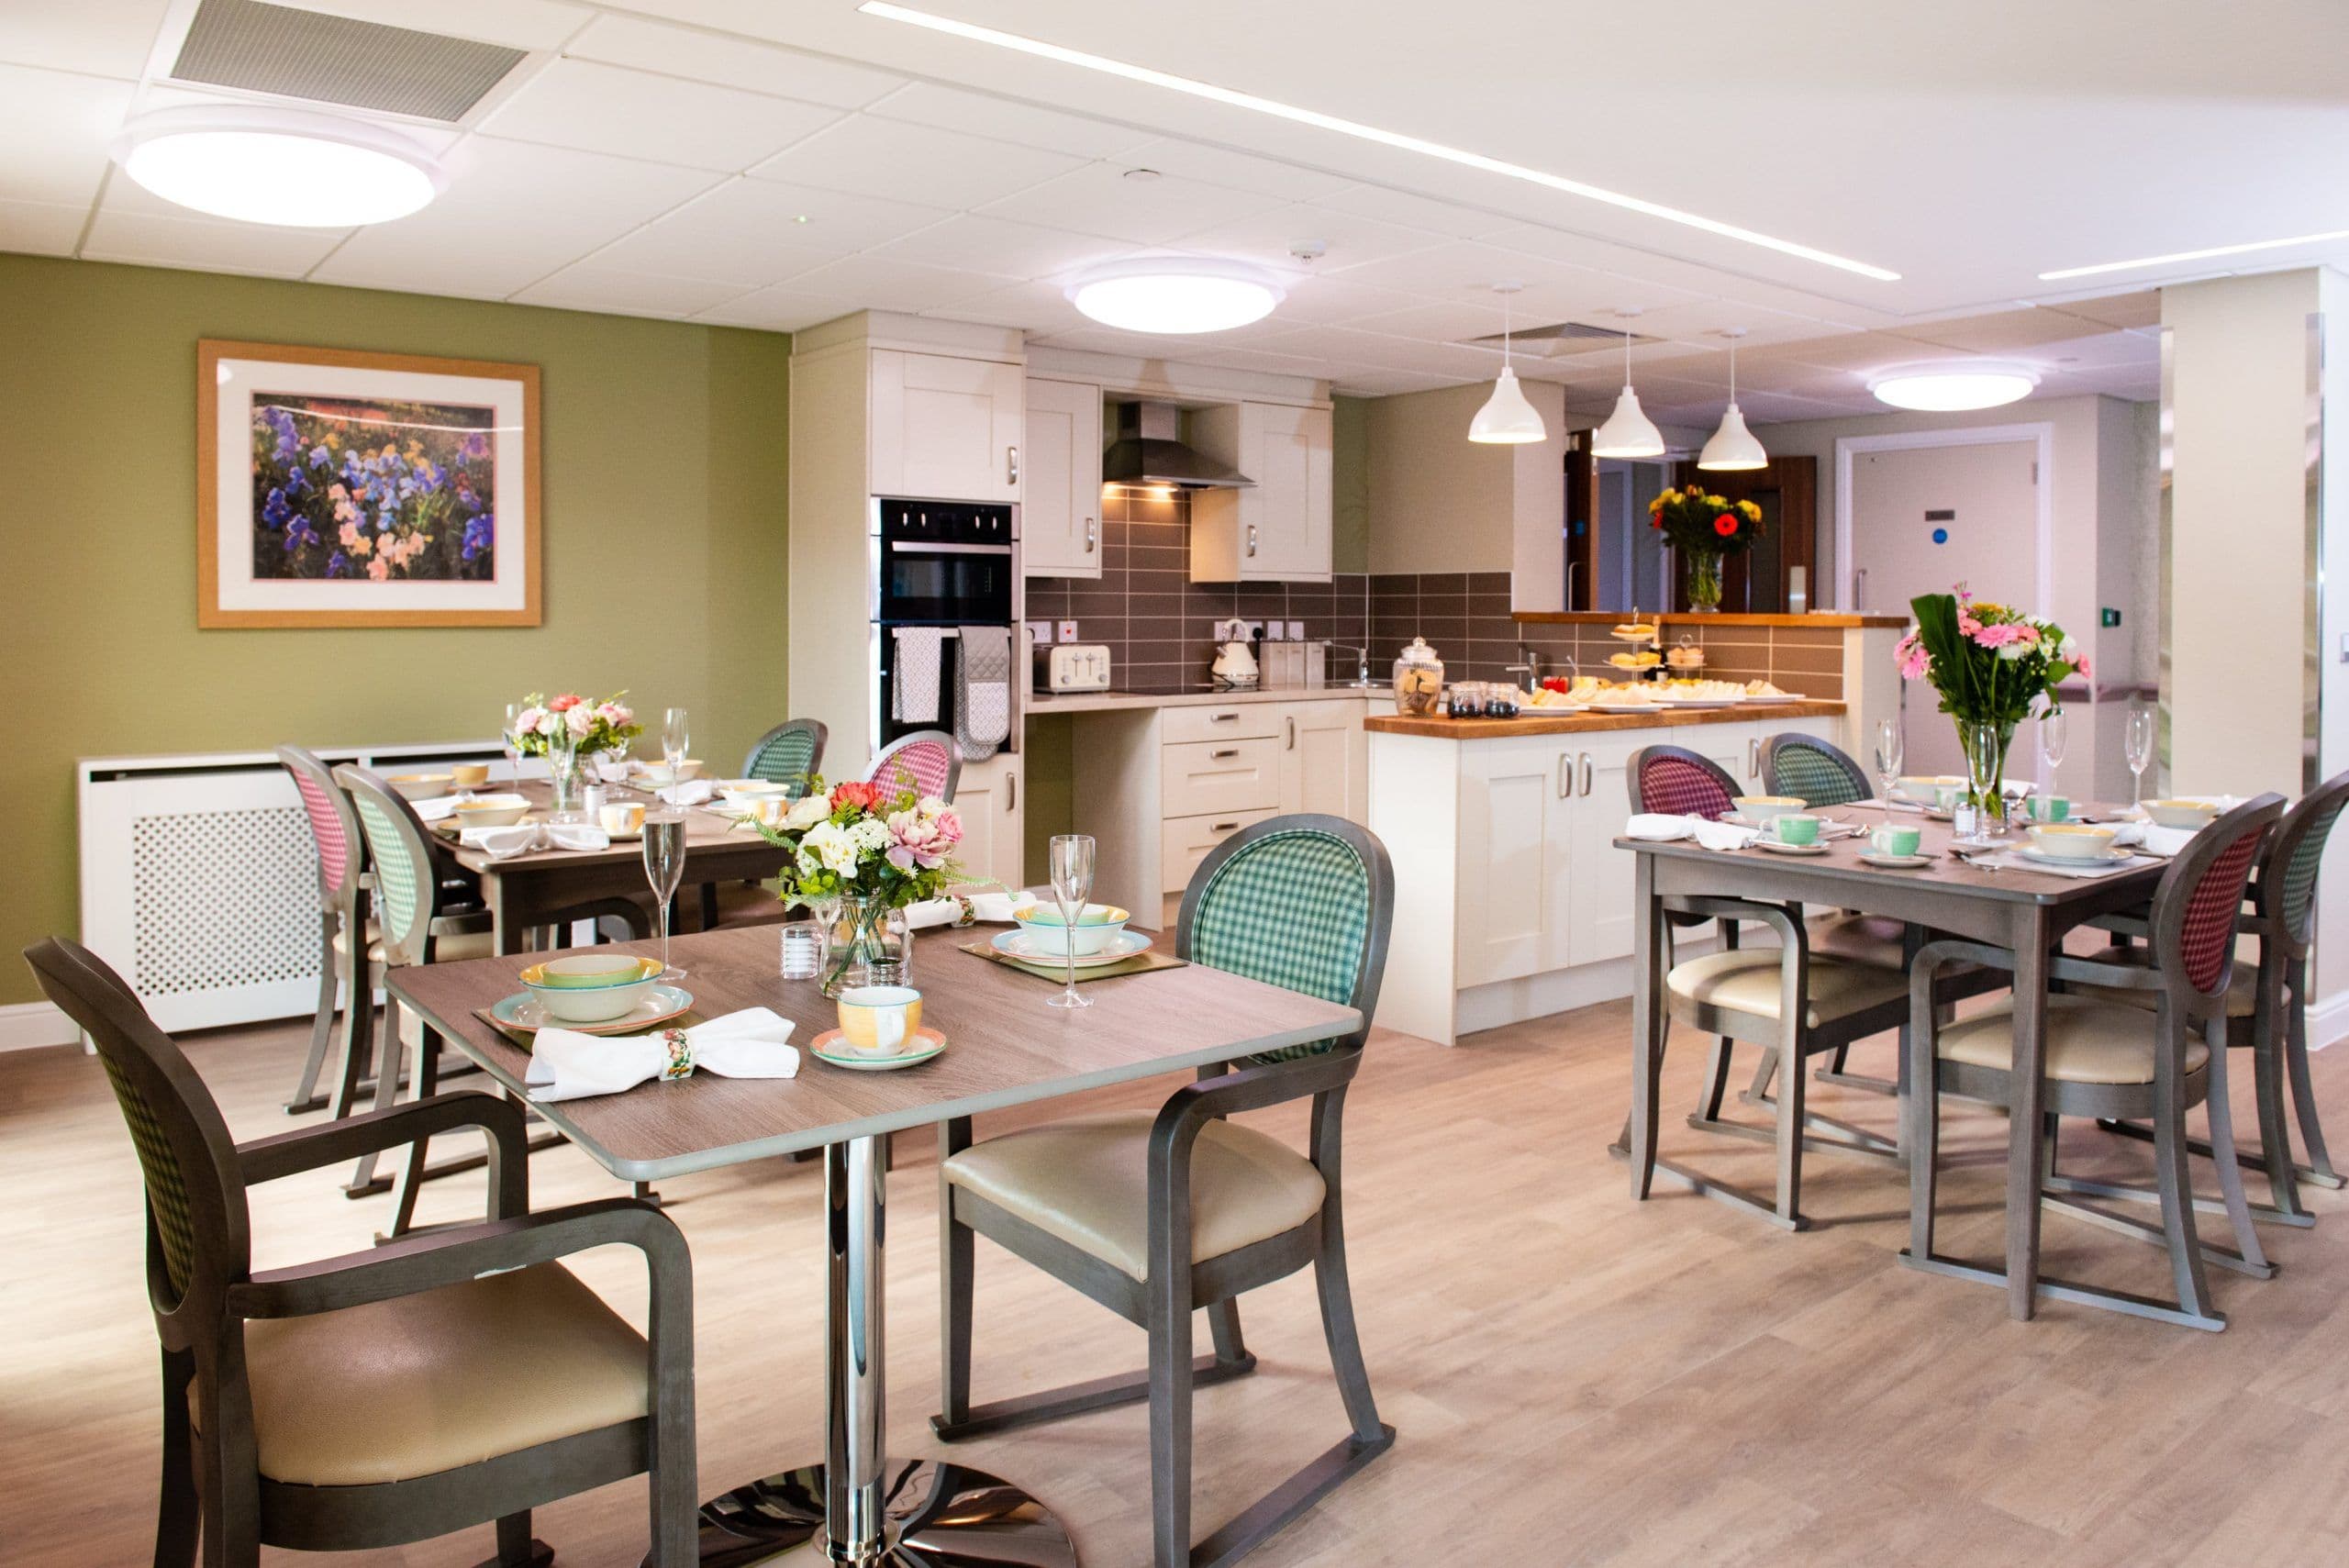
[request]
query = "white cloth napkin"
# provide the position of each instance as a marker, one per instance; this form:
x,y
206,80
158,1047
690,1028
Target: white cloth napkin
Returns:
x,y
988,908
568,1065
505,843
436,810
2153,838
693,792
1662,828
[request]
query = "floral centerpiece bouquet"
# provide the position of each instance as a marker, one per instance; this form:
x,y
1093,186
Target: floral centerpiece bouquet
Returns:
x,y
566,727
857,852
1705,527
1990,663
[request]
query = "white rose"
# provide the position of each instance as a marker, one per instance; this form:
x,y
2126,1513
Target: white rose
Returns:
x,y
832,847
2011,652
580,721
806,812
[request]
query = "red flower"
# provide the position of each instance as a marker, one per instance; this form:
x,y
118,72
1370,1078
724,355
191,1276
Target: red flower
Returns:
x,y
863,796
1655,522
1725,526
564,703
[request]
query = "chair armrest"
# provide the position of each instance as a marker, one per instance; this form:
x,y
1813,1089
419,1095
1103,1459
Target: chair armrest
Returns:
x,y
1784,921
416,1263
287,1154
2123,924
2111,976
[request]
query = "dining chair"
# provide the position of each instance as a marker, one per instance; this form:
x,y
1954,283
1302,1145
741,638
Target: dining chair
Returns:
x,y
792,749
2267,1006
2108,1060
1815,771
927,762
396,1393
1156,1215
1795,1001
343,882
410,867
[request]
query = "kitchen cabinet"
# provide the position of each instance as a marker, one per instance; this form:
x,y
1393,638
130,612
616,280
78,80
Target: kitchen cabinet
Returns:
x,y
1059,514
1325,760
1278,528
945,428
1515,849
988,798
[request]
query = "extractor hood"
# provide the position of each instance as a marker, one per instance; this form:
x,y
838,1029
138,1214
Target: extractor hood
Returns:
x,y
1149,451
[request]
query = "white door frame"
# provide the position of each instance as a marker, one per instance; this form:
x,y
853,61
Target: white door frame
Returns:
x,y
2042,433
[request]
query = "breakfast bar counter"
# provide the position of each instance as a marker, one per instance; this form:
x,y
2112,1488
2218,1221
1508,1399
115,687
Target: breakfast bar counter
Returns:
x,y
1537,721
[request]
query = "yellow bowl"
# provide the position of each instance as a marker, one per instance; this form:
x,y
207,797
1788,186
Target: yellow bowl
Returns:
x,y
2071,841
469,775
2182,813
419,786
590,972
880,1020
489,813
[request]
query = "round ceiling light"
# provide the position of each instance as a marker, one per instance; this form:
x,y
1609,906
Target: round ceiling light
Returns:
x,y
259,164
1175,294
1952,385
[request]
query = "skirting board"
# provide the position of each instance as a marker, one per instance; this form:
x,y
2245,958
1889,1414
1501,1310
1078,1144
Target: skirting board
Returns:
x,y
2329,1020
24,1025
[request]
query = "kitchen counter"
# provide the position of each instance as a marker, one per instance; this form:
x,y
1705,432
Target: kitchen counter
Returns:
x,y
1827,619
1043,703
1536,722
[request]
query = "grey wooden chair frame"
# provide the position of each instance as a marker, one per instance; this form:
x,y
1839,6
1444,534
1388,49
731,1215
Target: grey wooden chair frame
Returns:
x,y
417,943
2180,1009
881,759
813,728
211,1485
1162,1304
1777,745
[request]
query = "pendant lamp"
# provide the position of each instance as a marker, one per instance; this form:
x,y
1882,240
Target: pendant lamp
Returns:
x,y
1507,418
1628,432
1732,446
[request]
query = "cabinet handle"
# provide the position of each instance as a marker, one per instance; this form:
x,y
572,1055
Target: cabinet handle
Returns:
x,y
1565,775
1011,465
1291,744
1586,775
1753,759
1220,754
1222,717
1251,538
1221,826
1012,792
1091,535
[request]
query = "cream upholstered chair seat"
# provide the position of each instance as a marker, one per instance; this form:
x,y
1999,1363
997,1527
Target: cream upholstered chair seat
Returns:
x,y
396,1389
1745,980
1872,939
2242,984
2088,1041
1085,1181
449,948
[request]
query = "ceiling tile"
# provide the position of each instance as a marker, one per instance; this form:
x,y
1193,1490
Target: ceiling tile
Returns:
x,y
730,62
102,38
53,134
2004,332
518,24
40,228
913,162
215,247
1387,383
981,114
1700,323
878,284
602,108
1036,307
1415,212
492,178
2143,308
1449,322
589,287
1320,300
1268,237
1241,171
993,245
780,309
749,231
1099,199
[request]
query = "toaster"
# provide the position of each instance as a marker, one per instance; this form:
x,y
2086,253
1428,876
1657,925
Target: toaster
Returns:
x,y
1072,667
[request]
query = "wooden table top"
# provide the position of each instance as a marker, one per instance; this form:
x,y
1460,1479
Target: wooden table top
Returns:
x,y
705,829
1842,868
1004,1047
1537,721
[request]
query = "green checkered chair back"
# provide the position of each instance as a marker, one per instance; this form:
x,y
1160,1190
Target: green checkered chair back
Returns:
x,y
1294,902
407,879
2299,852
788,752
1811,770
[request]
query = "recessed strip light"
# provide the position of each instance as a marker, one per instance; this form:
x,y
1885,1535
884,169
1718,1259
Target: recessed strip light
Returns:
x,y
1363,132
2192,255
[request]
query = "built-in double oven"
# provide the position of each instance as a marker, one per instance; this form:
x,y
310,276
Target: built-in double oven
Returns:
x,y
945,564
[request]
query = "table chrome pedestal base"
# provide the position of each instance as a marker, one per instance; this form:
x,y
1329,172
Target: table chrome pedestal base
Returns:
x,y
939,1515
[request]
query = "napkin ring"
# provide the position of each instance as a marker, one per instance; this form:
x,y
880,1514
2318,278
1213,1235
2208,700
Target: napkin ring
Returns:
x,y
681,1056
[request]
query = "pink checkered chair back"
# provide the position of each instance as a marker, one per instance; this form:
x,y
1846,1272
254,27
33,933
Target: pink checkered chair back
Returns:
x,y
2195,907
928,760
1676,781
334,827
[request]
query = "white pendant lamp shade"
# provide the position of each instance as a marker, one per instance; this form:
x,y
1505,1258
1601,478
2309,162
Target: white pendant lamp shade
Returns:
x,y
1175,294
1628,432
1507,418
1734,446
290,167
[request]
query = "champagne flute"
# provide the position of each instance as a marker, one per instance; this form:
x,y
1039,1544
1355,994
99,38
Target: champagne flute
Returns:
x,y
2138,751
674,743
562,760
1982,772
1889,749
1072,862
513,739
664,867
2055,730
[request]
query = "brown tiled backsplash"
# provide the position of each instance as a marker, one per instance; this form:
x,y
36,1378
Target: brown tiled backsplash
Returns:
x,y
1159,626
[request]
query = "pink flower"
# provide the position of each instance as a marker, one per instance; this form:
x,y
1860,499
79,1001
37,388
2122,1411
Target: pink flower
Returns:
x,y
2003,633
923,838
1911,654
529,720
2080,668
613,714
564,703
579,720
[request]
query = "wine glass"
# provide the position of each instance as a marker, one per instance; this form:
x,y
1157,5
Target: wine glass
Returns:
x,y
1889,749
1072,862
2053,731
664,867
512,736
563,759
674,743
2138,751
1982,777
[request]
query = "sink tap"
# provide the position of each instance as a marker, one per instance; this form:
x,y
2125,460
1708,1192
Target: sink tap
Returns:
x,y
1529,666
1362,662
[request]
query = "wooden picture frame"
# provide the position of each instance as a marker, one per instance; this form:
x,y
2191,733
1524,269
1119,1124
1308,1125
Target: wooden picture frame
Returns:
x,y
439,526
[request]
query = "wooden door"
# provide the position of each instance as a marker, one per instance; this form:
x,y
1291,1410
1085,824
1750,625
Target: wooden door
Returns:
x,y
1787,492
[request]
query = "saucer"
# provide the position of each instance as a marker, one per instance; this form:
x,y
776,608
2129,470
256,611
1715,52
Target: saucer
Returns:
x,y
1895,863
831,1047
523,1011
1779,846
1124,945
2109,857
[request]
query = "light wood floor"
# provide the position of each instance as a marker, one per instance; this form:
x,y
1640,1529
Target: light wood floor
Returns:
x,y
1577,1379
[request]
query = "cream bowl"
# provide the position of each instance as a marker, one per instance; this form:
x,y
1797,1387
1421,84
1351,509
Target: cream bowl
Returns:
x,y
420,786
593,1004
2182,813
589,971
489,813
2071,841
1097,926
1765,807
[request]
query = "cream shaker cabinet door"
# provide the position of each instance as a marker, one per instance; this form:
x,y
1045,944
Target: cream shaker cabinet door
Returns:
x,y
945,428
1060,513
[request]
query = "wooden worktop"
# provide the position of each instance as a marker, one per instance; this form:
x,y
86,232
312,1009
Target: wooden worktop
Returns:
x,y
1539,723
1826,622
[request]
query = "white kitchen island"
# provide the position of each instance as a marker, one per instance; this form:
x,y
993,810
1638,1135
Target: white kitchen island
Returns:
x,y
1510,899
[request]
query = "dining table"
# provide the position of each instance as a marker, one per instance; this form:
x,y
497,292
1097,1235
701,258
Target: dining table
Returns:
x,y
523,891
1999,899
1004,1048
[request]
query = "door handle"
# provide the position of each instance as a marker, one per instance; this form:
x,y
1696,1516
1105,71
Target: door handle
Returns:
x,y
1565,775
1011,465
1753,759
1587,774
1092,535
1291,744
1012,792
1251,539
1859,589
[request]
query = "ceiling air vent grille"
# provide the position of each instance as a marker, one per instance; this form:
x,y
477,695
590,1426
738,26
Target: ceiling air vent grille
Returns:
x,y
1561,338
334,60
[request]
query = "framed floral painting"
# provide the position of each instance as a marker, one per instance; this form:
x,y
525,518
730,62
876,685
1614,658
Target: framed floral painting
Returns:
x,y
342,488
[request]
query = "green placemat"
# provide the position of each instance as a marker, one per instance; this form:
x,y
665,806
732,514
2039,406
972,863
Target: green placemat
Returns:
x,y
1141,964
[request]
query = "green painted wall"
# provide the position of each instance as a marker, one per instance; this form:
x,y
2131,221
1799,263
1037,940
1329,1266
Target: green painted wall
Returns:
x,y
1349,483
666,461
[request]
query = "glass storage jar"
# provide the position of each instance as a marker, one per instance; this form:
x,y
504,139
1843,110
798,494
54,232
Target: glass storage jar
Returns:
x,y
1418,681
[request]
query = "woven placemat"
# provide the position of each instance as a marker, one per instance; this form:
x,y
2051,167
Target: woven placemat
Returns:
x,y
1141,964
523,1038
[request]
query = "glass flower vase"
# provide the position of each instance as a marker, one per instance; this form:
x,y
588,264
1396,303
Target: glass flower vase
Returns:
x,y
866,934
1703,583
1985,744
562,778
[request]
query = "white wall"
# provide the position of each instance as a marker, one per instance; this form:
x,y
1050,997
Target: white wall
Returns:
x,y
1439,501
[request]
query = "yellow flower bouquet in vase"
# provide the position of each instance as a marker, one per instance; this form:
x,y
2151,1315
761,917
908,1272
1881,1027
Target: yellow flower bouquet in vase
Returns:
x,y
1705,527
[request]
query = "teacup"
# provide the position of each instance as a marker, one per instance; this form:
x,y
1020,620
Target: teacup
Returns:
x,y
469,775
1796,828
1895,840
880,1020
1947,795
623,817
2048,807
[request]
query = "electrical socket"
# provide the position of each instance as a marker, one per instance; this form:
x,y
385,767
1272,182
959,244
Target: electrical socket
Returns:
x,y
1068,631
1296,631
1272,631
1039,632
1230,631
1253,630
